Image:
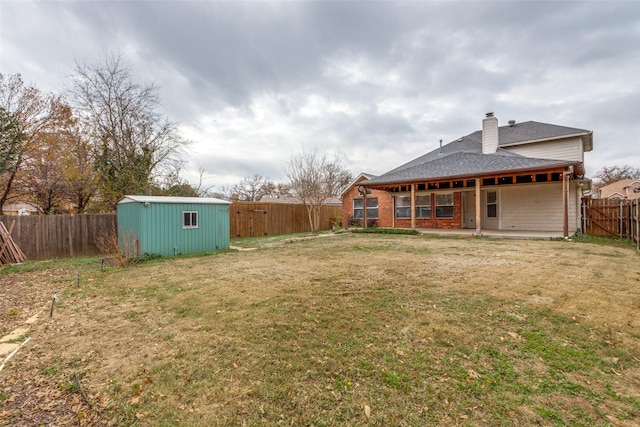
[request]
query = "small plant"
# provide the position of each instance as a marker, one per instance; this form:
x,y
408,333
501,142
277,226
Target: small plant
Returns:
x,y
122,252
13,312
146,258
69,386
50,370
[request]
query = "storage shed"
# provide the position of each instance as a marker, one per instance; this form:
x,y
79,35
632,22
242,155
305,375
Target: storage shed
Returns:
x,y
172,225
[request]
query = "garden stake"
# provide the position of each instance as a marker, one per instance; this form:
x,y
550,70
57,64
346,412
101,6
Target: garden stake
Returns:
x,y
78,280
102,264
53,301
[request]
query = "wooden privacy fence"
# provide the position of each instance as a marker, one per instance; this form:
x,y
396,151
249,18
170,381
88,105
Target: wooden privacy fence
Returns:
x,y
253,219
611,218
52,236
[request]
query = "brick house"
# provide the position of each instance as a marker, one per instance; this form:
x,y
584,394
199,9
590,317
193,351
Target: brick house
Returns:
x,y
377,201
526,177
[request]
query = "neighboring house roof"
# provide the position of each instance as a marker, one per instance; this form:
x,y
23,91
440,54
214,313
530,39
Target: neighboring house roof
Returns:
x,y
297,201
356,180
623,189
18,206
163,199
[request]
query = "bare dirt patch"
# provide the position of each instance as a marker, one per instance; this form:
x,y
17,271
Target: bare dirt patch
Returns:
x,y
423,330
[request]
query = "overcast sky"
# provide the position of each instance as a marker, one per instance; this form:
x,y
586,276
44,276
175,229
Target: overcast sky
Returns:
x,y
252,82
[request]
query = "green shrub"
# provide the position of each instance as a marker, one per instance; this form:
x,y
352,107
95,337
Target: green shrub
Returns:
x,y
385,230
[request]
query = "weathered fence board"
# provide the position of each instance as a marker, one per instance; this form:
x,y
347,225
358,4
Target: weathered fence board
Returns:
x,y
53,236
608,218
635,222
253,219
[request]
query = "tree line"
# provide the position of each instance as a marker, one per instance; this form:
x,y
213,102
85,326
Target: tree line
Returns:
x,y
106,138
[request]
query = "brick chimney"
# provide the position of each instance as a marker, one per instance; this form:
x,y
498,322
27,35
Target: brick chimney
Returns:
x,y
489,134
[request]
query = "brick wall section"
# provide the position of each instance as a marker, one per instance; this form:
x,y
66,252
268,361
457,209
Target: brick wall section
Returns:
x,y
448,223
385,205
386,212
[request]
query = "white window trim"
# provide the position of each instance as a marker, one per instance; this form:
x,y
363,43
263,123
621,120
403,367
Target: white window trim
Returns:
x,y
453,206
494,203
191,213
377,207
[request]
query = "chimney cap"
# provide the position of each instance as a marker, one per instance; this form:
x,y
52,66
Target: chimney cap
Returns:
x,y
512,123
489,114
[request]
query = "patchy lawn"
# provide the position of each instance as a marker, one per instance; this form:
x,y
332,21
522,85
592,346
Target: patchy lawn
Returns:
x,y
345,330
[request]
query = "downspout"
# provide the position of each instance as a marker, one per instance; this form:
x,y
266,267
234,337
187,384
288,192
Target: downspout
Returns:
x,y
565,203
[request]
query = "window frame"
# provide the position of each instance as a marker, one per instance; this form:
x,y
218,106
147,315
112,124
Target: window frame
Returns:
x,y
370,208
407,208
192,215
493,205
420,207
448,207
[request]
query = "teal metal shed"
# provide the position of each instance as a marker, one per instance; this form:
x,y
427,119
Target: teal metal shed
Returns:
x,y
172,225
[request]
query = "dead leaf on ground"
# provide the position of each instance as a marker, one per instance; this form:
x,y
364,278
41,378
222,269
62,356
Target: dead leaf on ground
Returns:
x,y
367,411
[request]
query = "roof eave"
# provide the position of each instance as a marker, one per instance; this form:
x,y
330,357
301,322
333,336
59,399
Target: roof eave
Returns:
x,y
588,134
471,175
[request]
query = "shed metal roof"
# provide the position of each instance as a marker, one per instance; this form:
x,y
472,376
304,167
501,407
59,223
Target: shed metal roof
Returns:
x,y
163,199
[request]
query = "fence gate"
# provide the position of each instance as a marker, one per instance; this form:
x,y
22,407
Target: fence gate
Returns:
x,y
251,222
607,218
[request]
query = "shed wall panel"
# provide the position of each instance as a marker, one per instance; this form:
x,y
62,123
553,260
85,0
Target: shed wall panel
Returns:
x,y
158,228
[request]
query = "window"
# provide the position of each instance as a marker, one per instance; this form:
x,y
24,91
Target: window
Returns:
x,y
492,204
189,219
403,207
444,205
372,208
423,206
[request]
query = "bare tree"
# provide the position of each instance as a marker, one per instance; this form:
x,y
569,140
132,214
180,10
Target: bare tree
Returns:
x,y
314,178
34,113
174,185
132,141
253,188
611,174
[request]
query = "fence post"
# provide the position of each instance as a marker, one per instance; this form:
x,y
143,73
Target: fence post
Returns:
x,y
584,216
620,220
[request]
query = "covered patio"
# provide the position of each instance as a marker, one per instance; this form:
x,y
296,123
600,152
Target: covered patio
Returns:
x,y
500,234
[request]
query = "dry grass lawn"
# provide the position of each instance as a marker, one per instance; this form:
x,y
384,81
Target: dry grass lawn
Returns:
x,y
339,331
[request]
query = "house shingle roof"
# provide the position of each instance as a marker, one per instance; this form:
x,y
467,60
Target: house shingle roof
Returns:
x,y
464,157
463,164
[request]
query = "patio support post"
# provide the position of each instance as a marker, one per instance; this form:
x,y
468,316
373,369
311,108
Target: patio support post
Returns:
x,y
413,206
364,202
478,209
565,204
